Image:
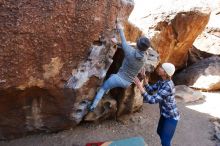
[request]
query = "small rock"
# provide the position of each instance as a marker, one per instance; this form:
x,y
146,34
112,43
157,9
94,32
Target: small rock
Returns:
x,y
186,94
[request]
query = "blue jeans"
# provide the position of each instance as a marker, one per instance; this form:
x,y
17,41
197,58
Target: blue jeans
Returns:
x,y
112,82
166,129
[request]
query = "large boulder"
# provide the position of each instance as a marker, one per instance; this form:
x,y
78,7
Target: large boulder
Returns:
x,y
43,41
172,26
204,75
53,55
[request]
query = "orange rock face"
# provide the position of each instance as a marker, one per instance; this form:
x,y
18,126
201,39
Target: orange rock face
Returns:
x,y
175,37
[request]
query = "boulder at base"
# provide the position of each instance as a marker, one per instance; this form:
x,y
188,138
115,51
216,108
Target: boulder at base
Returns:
x,y
186,94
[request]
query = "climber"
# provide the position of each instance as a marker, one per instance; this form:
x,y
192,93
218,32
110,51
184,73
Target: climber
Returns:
x,y
133,62
162,92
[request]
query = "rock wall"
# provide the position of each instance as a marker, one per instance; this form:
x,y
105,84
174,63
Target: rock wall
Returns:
x,y
44,45
42,41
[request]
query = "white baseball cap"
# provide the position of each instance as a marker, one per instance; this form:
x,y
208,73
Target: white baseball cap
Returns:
x,y
169,68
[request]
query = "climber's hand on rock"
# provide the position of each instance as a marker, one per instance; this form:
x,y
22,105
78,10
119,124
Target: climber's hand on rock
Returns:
x,y
119,26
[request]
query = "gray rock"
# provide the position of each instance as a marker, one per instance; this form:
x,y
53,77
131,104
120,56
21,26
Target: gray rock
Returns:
x,y
186,94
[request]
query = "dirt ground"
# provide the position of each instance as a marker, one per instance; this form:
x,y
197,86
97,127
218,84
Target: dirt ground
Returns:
x,y
194,129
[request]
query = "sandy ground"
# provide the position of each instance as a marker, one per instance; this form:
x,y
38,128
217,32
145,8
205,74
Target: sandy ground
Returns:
x,y
194,128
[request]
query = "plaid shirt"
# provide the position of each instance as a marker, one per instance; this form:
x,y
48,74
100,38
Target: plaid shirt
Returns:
x,y
164,96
